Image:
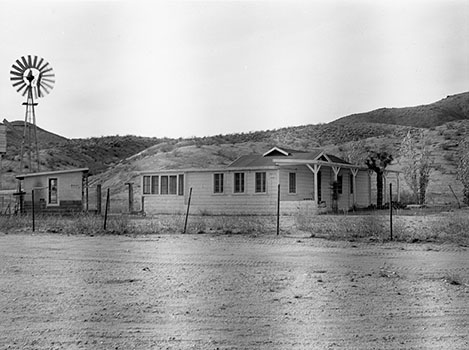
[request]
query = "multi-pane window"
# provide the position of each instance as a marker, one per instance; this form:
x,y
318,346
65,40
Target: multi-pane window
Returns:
x,y
53,191
218,183
164,184
173,184
238,182
260,180
181,185
292,183
146,184
155,184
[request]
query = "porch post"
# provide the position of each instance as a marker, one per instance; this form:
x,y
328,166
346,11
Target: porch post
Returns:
x,y
336,170
354,184
315,169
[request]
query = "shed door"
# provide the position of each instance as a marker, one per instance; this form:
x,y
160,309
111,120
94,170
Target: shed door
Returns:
x,y
53,193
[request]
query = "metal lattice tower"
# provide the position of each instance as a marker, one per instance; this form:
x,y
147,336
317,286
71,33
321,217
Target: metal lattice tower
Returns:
x,y
33,77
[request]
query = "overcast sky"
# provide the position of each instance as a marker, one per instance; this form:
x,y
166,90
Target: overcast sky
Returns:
x,y
193,68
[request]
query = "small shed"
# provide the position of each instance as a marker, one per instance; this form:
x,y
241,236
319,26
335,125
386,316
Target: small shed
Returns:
x,y
55,192
310,182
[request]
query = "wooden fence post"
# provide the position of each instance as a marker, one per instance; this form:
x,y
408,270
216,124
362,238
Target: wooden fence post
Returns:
x,y
106,209
390,209
278,210
188,207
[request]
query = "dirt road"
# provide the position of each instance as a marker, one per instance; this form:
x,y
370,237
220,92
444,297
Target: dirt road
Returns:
x,y
230,292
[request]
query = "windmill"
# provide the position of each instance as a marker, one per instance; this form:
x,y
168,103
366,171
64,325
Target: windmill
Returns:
x,y
34,78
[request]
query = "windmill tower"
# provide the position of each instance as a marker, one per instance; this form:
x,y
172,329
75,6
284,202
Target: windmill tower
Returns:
x,y
34,78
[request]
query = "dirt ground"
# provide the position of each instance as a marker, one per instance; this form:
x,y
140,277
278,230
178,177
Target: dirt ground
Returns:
x,y
230,292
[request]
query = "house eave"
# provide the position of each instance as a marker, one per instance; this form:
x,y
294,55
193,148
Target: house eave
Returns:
x,y
47,173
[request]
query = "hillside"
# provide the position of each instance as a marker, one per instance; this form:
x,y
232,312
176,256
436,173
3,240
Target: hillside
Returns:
x,y
115,160
451,108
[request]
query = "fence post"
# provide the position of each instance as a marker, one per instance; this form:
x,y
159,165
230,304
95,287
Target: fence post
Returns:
x,y
106,209
390,209
32,205
98,199
278,210
188,207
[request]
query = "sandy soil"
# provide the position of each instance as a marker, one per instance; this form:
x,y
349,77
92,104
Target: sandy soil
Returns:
x,y
230,292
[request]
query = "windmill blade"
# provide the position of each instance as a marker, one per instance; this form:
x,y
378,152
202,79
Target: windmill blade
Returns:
x,y
35,62
49,81
24,62
21,88
43,67
52,74
18,83
16,79
17,73
43,84
39,64
44,88
30,61
46,70
18,69
23,68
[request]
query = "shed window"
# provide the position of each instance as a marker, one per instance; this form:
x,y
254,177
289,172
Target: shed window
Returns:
x,y
181,185
173,184
292,183
238,182
146,185
53,191
260,182
217,183
164,184
155,184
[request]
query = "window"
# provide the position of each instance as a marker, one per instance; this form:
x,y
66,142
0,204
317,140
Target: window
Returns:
x,y
164,184
238,182
292,183
351,184
155,184
260,182
146,185
339,184
53,191
217,183
181,185
173,184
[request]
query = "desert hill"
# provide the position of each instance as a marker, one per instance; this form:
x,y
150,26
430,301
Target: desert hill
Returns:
x,y
115,160
451,108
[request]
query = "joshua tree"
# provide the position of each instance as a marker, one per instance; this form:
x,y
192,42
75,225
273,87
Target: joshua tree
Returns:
x,y
378,161
417,164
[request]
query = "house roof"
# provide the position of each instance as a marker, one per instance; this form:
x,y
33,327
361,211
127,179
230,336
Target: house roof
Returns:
x,y
273,155
47,173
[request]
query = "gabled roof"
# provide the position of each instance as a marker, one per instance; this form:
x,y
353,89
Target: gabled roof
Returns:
x,y
267,159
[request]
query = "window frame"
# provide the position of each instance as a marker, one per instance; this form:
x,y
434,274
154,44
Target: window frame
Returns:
x,y
292,183
218,180
260,182
239,183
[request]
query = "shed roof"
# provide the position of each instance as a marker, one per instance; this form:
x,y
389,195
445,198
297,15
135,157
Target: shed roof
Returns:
x,y
57,172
